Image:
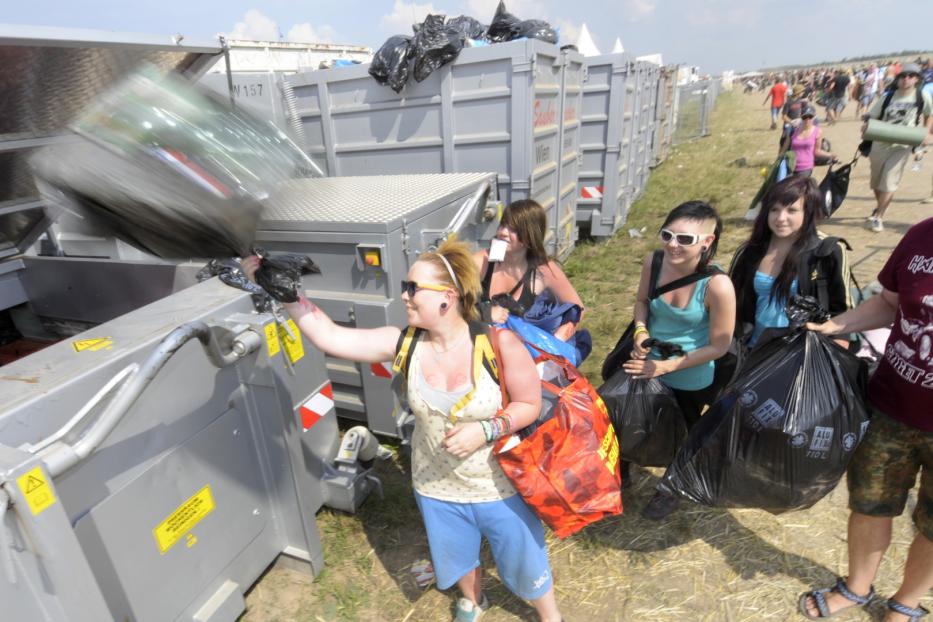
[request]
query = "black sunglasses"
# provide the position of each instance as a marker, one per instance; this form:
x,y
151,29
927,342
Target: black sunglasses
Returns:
x,y
412,287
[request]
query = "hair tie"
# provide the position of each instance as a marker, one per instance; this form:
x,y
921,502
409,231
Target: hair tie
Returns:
x,y
450,271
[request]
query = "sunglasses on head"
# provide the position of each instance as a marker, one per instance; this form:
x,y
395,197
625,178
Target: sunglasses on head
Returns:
x,y
683,239
412,287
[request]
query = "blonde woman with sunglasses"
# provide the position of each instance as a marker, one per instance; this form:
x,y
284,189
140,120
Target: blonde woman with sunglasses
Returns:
x,y
699,317
461,491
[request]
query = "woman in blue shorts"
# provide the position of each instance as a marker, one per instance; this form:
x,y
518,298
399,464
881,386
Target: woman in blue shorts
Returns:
x,y
462,493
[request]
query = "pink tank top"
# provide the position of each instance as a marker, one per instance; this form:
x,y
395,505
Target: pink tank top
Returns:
x,y
804,148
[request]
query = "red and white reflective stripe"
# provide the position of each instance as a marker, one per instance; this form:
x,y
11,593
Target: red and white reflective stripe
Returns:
x,y
317,406
591,192
382,370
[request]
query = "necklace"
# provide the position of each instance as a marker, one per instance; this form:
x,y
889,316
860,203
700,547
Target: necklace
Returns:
x,y
452,345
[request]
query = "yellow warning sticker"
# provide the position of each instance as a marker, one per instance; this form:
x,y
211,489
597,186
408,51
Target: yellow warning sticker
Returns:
x,y
37,491
179,523
272,339
92,344
293,346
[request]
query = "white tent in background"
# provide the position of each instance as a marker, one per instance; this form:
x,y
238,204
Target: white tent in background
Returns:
x,y
585,44
617,48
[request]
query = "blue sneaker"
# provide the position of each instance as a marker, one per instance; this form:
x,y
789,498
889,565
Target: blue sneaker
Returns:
x,y
468,611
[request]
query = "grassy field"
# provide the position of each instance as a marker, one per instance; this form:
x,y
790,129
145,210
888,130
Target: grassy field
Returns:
x,y
699,564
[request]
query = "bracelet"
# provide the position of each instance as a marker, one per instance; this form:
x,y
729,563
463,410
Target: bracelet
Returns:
x,y
487,430
640,330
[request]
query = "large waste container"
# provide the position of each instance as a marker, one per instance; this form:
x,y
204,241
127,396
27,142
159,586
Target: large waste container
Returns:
x,y
365,233
495,108
646,89
573,78
606,143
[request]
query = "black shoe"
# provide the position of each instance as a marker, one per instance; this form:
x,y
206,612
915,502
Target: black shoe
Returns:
x,y
661,504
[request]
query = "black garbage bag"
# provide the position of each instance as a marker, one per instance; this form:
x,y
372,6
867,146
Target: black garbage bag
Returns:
x,y
280,275
506,27
433,46
468,27
392,62
780,436
835,187
646,417
231,273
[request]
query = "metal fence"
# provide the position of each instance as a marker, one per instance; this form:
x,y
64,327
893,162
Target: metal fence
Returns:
x,y
695,106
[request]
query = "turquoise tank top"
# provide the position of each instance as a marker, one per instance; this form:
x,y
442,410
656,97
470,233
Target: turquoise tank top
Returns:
x,y
769,313
688,328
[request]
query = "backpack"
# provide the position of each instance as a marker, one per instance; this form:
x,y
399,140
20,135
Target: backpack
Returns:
x,y
864,147
814,262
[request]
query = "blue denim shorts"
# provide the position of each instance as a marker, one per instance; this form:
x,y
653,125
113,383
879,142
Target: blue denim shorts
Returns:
x,y
515,536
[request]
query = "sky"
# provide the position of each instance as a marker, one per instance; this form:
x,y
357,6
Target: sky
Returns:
x,y
715,35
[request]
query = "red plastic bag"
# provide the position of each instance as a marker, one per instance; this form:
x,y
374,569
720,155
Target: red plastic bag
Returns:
x,y
567,470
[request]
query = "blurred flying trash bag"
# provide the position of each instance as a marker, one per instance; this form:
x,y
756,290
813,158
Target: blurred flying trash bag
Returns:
x,y
280,275
645,414
231,273
780,436
883,132
392,62
531,334
507,27
566,470
170,168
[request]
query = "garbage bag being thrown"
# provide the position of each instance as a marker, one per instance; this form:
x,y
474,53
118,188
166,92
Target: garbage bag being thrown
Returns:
x,y
781,435
506,27
280,275
169,168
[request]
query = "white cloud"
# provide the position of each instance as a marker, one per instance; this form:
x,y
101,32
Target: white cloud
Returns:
x,y
306,33
403,15
483,10
259,27
255,26
640,9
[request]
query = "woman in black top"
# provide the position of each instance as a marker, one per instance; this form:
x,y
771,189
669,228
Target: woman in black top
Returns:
x,y
526,270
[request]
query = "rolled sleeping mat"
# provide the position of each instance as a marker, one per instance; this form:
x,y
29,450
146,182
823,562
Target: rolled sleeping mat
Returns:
x,y
882,132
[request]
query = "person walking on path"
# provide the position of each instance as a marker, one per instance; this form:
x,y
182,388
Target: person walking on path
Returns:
x,y
805,143
899,440
777,94
838,95
906,105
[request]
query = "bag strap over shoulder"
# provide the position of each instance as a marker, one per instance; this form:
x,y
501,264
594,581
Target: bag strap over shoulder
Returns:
x,y
483,352
654,291
403,347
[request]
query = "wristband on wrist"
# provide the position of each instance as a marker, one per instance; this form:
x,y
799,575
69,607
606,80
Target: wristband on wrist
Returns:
x,y
487,430
640,330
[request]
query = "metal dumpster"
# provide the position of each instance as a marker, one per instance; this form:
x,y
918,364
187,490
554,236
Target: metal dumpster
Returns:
x,y
365,233
573,78
606,143
646,89
495,108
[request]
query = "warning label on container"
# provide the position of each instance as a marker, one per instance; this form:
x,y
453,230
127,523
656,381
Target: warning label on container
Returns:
x,y
37,491
291,339
92,344
272,339
177,525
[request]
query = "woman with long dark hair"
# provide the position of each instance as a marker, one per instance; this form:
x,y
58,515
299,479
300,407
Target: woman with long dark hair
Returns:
x,y
785,243
525,271
699,317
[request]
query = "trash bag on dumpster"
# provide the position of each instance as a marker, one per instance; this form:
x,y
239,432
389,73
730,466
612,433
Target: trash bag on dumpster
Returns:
x,y
231,273
646,416
433,46
468,27
567,469
169,168
280,275
506,27
391,64
780,436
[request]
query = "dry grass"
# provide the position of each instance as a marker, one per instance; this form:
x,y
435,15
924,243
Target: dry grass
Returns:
x,y
701,564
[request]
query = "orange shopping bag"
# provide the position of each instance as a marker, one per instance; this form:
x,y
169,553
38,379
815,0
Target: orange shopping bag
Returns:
x,y
567,469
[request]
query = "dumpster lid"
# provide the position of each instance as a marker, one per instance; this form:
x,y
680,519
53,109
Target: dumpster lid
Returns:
x,y
376,203
48,76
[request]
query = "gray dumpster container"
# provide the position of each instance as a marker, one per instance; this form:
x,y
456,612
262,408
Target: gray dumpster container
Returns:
x,y
606,143
573,77
495,108
644,123
340,221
